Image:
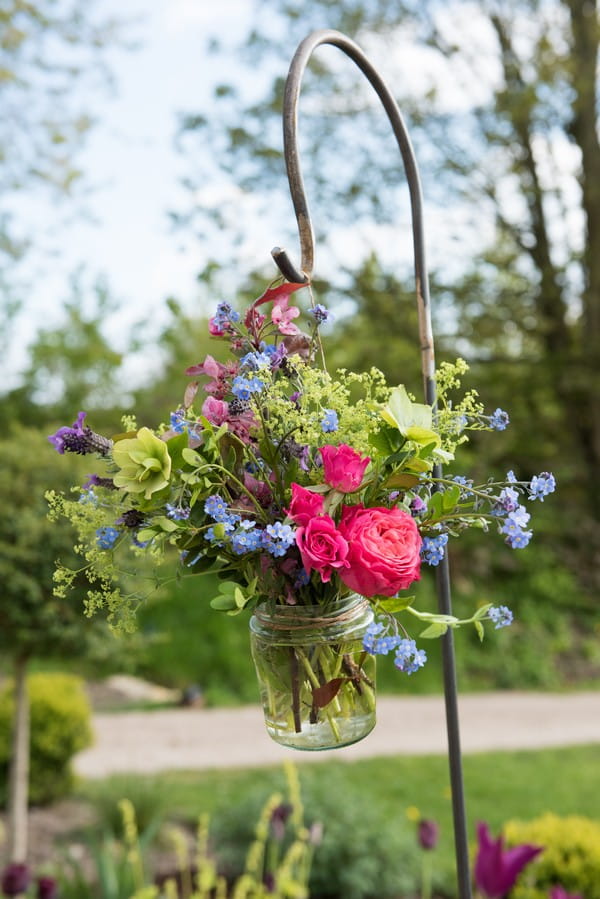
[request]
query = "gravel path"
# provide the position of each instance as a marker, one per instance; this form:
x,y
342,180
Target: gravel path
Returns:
x,y
195,739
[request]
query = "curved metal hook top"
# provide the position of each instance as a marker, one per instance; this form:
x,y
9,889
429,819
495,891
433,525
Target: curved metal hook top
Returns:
x,y
294,172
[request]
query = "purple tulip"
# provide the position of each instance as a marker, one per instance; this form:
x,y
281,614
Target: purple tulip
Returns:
x,y
496,868
561,893
427,833
47,888
15,879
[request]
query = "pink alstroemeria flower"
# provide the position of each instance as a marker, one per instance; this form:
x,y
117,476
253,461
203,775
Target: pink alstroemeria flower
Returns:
x,y
282,315
496,868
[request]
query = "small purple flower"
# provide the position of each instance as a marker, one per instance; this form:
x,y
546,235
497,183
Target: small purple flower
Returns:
x,y
15,879
279,817
79,438
417,505
496,869
428,833
330,421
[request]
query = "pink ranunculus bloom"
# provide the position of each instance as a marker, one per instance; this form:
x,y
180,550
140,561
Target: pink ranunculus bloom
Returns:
x,y
322,547
304,505
215,410
343,467
496,868
384,554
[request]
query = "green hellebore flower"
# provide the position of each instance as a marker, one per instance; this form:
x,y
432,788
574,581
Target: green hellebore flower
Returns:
x,y
144,462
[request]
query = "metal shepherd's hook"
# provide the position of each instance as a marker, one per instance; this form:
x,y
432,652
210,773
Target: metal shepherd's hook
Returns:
x,y
291,273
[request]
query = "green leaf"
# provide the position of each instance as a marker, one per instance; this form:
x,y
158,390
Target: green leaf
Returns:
x,y
482,611
166,524
401,479
395,603
240,599
223,603
450,498
146,534
435,505
479,629
437,629
191,457
228,587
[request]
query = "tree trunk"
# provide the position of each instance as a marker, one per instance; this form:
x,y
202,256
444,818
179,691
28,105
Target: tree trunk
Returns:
x,y
18,784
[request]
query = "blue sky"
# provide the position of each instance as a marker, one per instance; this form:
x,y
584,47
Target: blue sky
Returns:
x,y
132,168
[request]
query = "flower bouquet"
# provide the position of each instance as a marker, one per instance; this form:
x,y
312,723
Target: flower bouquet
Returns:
x,y
315,497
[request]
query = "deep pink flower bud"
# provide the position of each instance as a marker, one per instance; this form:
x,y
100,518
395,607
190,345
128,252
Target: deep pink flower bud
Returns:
x,y
343,467
428,833
15,879
47,888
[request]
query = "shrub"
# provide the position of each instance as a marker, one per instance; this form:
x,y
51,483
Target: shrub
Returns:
x,y
571,856
361,855
60,727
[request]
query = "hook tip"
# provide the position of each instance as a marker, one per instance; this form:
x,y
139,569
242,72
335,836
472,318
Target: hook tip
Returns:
x,y
287,268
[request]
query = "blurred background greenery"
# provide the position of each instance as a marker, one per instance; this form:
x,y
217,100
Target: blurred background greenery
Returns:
x,y
515,161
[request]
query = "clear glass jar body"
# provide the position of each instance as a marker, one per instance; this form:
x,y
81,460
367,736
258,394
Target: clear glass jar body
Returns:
x,y
317,682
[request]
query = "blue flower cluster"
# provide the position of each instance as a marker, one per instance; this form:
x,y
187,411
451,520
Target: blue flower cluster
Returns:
x,y
254,361
515,515
501,616
499,420
106,537
321,314
330,421
225,315
541,485
177,513
378,642
433,549
243,534
243,388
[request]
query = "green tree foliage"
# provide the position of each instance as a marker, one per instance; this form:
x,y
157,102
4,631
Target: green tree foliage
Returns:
x,y
32,621
503,115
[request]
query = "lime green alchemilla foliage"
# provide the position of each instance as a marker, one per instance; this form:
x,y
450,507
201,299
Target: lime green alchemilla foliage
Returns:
x,y
294,484
144,463
571,856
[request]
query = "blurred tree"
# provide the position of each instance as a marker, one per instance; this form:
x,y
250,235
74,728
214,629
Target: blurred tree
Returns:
x,y
73,365
52,54
33,623
501,102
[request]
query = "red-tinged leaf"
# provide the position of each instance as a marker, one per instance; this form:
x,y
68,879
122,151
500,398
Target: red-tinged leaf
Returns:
x,y
190,393
323,695
273,293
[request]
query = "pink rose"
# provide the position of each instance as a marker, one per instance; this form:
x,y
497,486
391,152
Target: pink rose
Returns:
x,y
215,410
322,547
384,550
343,467
304,505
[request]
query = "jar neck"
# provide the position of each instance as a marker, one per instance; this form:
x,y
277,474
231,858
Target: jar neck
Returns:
x,y
346,612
